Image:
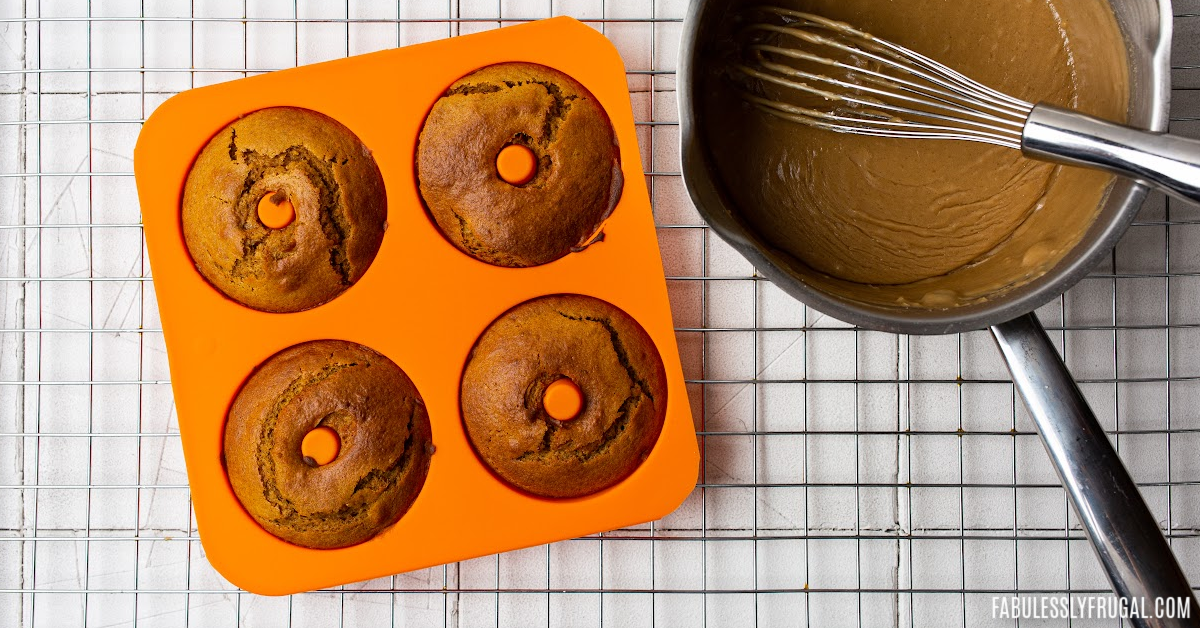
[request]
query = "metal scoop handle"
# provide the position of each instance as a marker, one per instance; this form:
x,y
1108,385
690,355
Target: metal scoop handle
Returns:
x,y
1124,534
1167,162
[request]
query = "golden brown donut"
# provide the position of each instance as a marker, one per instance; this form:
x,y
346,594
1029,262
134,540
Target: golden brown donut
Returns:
x,y
606,354
578,180
379,417
333,183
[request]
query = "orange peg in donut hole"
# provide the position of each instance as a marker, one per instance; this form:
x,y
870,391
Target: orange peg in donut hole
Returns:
x,y
276,211
320,447
392,309
516,164
563,400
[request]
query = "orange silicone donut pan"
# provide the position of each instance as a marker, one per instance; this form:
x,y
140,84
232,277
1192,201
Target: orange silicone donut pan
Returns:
x,y
422,303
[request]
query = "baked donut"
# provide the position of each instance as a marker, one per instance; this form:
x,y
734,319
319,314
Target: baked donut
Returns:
x,y
380,421
578,165
611,360
284,156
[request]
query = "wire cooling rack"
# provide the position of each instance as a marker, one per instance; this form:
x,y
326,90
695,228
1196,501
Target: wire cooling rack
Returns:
x,y
850,478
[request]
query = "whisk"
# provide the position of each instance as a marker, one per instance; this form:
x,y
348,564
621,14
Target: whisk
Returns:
x,y
849,81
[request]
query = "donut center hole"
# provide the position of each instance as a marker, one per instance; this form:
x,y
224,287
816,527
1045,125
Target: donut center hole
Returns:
x,y
275,210
516,164
320,447
563,400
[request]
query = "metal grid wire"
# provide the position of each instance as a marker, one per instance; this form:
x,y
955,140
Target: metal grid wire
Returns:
x,y
850,478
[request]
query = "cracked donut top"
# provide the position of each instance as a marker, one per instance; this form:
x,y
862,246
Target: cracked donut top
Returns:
x,y
381,424
284,155
599,348
575,187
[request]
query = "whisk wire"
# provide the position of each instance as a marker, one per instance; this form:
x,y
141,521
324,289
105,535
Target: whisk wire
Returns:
x,y
934,85
899,53
904,95
820,73
871,110
893,129
938,94
992,123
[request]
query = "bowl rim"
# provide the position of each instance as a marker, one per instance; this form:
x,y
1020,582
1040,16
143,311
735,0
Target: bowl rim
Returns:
x,y
1150,53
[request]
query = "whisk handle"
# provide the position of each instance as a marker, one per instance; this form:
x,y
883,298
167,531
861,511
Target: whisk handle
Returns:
x,y
1167,162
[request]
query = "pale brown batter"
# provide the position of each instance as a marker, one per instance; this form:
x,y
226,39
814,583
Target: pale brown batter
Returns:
x,y
930,223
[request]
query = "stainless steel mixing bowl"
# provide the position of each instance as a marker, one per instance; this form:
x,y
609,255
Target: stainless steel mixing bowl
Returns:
x,y
1125,535
1147,26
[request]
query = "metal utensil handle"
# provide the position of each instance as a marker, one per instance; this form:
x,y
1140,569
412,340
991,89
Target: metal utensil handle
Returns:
x,y
1123,532
1167,162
